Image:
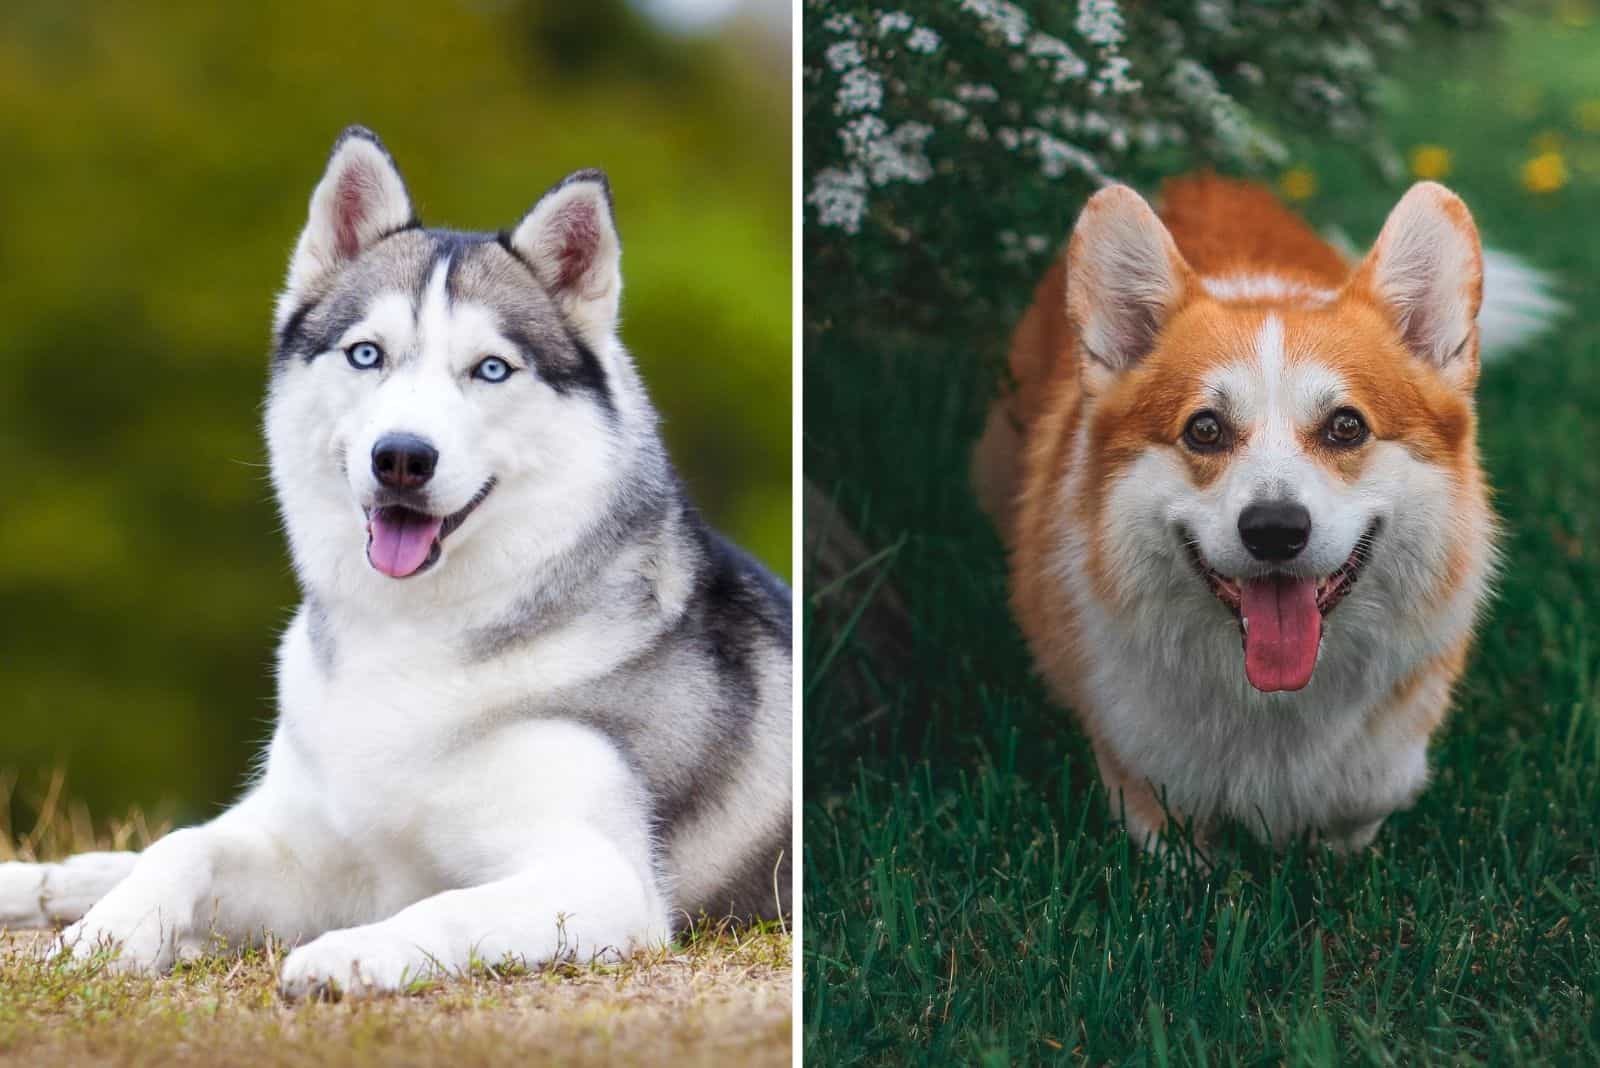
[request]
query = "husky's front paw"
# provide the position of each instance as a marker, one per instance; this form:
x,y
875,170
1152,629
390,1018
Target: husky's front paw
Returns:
x,y
355,962
134,939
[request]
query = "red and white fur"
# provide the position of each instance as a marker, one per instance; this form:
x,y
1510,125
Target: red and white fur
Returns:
x,y
1177,378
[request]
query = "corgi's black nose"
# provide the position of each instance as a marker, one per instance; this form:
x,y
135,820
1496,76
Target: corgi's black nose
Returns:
x,y
403,461
1275,530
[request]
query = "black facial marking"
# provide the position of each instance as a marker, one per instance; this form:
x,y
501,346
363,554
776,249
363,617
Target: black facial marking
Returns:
x,y
315,328
290,338
587,374
547,343
566,372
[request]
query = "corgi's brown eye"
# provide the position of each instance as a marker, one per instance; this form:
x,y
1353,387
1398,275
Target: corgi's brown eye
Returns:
x,y
1204,432
1345,427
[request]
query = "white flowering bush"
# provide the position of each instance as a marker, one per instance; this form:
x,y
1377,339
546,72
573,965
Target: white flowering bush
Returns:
x,y
949,143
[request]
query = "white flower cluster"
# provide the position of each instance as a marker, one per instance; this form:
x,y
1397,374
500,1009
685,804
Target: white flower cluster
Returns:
x,y
1221,117
1018,94
876,153
840,197
1065,66
1000,19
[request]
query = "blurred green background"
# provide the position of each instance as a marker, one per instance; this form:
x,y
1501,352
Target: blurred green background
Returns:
x,y
156,170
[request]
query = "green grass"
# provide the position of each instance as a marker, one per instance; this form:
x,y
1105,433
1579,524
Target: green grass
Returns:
x,y
968,897
718,995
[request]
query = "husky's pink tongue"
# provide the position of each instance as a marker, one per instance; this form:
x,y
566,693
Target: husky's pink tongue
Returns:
x,y
400,540
1283,628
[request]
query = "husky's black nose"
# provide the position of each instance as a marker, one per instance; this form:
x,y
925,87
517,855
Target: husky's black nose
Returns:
x,y
403,461
1275,530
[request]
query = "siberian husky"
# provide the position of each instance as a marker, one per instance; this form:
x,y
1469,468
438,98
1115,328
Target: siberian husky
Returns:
x,y
531,706
1238,481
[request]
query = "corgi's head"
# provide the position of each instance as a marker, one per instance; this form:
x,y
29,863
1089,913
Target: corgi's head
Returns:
x,y
1262,450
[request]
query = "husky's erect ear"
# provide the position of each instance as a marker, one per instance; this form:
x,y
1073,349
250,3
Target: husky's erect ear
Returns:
x,y
360,199
1426,272
1125,278
569,241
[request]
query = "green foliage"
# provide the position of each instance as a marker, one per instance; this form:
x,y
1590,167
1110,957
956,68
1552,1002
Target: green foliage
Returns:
x,y
947,145
158,162
968,896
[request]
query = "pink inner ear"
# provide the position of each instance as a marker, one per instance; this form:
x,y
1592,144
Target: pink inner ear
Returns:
x,y
356,186
578,230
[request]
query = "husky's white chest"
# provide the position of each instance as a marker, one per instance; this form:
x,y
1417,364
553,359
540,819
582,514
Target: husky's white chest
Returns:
x,y
406,757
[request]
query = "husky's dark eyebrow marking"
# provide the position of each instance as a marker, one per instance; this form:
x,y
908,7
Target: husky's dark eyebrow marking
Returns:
x,y
581,371
587,373
292,337
310,337
292,329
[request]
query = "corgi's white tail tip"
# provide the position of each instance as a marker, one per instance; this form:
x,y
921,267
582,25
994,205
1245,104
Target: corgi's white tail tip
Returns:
x,y
1519,303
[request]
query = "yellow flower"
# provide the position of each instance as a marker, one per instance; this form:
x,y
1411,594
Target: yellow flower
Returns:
x,y
1298,183
1586,113
1544,173
1430,162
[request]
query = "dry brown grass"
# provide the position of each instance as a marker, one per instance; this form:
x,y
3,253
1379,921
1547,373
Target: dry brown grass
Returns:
x,y
718,997
62,827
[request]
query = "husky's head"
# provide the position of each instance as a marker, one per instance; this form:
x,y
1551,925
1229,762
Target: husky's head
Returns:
x,y
1264,455
428,383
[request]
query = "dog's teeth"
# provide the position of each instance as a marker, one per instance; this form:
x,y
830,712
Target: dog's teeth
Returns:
x,y
1244,621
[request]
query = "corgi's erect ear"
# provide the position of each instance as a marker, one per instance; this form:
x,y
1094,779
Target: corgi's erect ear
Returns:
x,y
1426,271
569,240
360,199
1125,278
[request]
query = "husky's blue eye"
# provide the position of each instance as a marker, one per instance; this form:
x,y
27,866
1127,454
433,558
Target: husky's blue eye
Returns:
x,y
364,356
492,369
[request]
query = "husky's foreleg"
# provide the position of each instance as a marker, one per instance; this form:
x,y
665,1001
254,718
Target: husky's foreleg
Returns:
x,y
223,883
43,895
574,876
585,899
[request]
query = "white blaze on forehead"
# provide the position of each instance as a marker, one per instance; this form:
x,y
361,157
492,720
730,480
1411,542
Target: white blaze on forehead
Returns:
x,y
1277,387
456,333
1269,353
434,312
1245,390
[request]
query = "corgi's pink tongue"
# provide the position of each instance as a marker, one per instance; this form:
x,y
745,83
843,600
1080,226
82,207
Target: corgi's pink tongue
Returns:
x,y
399,540
1283,628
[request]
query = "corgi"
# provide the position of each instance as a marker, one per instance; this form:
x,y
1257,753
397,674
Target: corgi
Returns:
x,y
1237,479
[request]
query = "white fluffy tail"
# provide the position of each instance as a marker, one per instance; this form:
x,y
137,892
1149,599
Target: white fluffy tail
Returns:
x,y
43,895
1519,303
